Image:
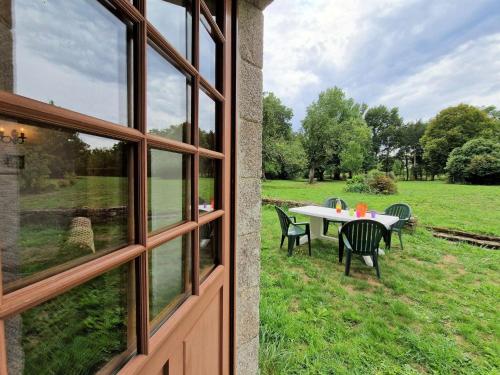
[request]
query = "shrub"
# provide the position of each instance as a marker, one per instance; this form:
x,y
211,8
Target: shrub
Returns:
x,y
357,184
381,184
477,161
374,173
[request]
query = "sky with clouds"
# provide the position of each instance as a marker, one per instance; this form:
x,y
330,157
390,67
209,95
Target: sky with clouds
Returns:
x,y
418,55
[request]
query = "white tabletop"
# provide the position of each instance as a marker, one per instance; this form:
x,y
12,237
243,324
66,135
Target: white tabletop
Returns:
x,y
343,216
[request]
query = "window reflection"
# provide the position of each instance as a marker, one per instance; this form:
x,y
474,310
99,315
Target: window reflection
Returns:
x,y
65,199
79,332
209,249
169,278
173,19
61,58
208,201
207,52
207,121
169,189
168,99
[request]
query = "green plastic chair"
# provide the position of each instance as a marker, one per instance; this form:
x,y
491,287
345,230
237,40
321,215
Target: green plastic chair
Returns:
x,y
361,237
403,211
292,230
330,203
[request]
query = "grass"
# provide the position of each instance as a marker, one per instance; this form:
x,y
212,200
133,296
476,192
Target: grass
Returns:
x,y
471,208
434,310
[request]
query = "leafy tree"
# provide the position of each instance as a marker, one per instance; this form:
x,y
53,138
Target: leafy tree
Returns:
x,y
291,158
331,123
281,150
351,158
492,111
384,124
477,161
451,128
410,149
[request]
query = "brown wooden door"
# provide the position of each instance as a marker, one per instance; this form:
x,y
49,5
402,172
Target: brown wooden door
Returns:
x,y
116,186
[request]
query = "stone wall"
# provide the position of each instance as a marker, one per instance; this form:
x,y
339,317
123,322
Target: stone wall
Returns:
x,y
250,61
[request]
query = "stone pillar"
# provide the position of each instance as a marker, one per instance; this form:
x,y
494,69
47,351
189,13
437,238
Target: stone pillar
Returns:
x,y
6,55
249,159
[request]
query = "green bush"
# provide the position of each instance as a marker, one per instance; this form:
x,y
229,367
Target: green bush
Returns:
x,y
374,173
477,162
382,184
375,182
357,184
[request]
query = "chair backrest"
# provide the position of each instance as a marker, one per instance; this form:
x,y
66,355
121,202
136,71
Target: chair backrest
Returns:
x,y
401,210
284,220
363,235
331,202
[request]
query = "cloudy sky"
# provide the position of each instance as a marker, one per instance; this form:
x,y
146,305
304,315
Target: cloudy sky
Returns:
x,y
418,55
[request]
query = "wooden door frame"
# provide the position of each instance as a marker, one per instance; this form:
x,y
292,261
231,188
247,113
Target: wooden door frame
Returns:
x,y
222,277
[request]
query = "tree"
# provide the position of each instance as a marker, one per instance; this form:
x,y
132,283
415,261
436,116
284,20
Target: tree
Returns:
x,y
351,158
282,152
451,128
330,124
410,149
492,111
477,161
384,124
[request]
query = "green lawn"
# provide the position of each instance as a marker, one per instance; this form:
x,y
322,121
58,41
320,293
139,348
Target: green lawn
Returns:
x,y
434,310
468,207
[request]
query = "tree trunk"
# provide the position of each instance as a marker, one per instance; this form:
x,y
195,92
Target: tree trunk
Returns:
x,y
311,175
407,168
350,174
415,172
336,175
387,163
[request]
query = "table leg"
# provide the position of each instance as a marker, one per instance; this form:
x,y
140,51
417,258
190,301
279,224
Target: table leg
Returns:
x,y
316,225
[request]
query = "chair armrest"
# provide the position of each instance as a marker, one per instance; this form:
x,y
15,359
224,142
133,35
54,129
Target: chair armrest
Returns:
x,y
304,223
294,219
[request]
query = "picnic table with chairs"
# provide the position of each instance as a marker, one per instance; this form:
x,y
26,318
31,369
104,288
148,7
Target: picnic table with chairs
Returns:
x,y
359,231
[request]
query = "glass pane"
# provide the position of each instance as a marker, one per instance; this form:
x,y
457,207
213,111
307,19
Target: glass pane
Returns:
x,y
207,201
207,52
65,199
169,99
78,332
207,122
209,249
173,19
169,189
54,42
169,278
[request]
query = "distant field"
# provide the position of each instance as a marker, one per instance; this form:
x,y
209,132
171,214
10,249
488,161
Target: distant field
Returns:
x,y
468,207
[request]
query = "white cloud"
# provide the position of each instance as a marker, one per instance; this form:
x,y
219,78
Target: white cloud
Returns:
x,y
469,74
303,36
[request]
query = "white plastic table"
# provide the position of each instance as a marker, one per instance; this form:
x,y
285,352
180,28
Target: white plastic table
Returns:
x,y
317,214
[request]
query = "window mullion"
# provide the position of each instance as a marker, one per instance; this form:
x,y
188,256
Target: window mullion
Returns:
x,y
196,169
142,229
